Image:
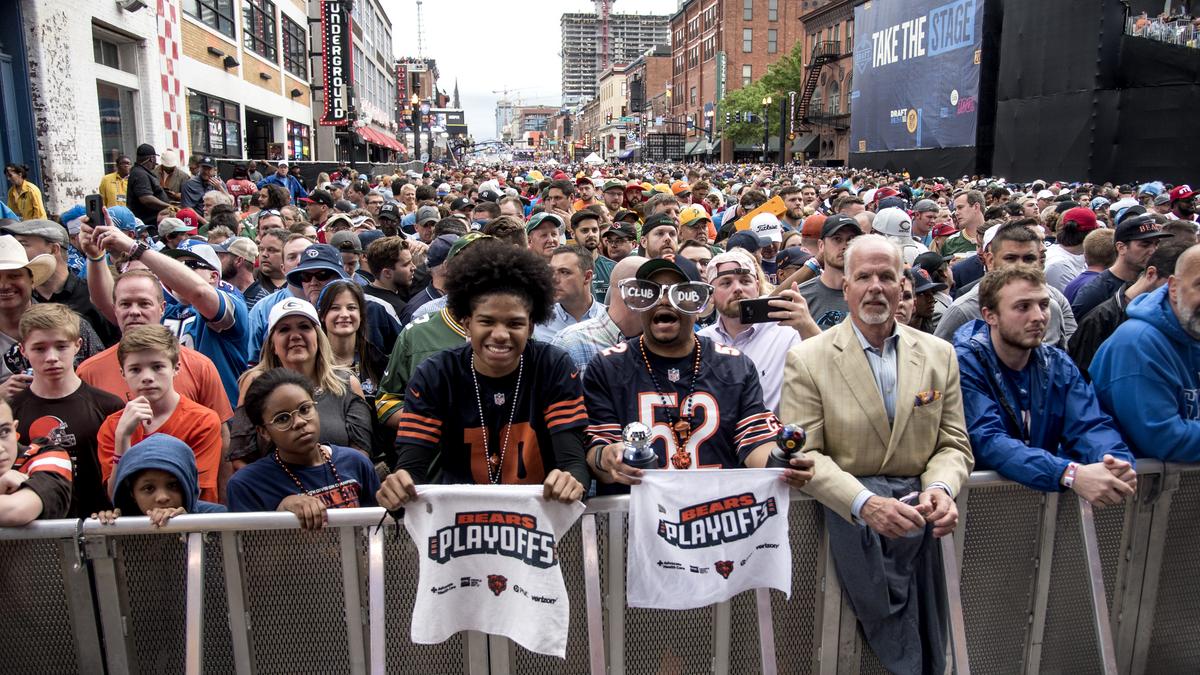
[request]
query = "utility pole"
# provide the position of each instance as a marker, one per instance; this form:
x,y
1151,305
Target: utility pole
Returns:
x,y
766,102
784,146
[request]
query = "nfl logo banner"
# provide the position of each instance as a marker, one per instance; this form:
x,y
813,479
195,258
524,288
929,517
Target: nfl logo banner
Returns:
x,y
700,537
489,562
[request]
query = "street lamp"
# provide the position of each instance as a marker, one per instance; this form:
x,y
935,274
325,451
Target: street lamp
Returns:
x,y
416,123
766,127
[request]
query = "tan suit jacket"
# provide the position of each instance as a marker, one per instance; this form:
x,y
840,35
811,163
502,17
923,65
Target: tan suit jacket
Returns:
x,y
828,388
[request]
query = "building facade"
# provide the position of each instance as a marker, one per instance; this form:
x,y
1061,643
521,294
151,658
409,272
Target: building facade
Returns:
x,y
613,99
649,79
629,35
829,39
719,46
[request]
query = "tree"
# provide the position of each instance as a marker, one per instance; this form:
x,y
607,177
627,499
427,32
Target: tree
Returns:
x,y
786,74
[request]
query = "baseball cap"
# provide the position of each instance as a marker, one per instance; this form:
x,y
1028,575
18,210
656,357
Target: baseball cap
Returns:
x,y
658,220
343,205
206,161
1139,227
621,228
428,213
926,206
583,180
489,195
835,223
389,212
146,150
539,219
1129,212
792,256
194,250
1083,218
346,242
931,261
242,247
443,189
1098,203
1045,194
292,307
613,185
460,204
1163,199
891,203
744,239
767,227
368,237
624,214
944,230
693,212
46,229
922,282
1182,192
679,187
318,196
811,229
190,217
655,265
742,260
892,222
439,250
170,226
317,257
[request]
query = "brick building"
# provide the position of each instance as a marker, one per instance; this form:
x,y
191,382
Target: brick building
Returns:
x,y
649,78
718,46
829,51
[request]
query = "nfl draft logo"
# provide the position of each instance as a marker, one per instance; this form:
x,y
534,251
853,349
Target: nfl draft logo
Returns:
x,y
673,374
498,398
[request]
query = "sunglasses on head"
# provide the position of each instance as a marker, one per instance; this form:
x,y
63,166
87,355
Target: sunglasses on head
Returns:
x,y
689,297
196,265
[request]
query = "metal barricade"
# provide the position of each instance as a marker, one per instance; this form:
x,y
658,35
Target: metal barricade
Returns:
x,y
1045,586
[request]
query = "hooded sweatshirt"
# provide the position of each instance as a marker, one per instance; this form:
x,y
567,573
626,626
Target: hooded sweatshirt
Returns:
x,y
165,453
1147,376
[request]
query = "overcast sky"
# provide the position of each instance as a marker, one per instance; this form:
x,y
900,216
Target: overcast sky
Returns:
x,y
495,45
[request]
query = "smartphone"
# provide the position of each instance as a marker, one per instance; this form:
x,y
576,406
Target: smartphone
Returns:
x,y
94,205
756,310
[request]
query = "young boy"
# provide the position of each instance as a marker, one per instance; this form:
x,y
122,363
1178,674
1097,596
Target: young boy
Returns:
x,y
34,484
149,357
157,478
58,410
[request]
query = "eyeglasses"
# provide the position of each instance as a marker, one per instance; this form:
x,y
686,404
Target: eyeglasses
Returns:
x,y
689,297
321,275
285,420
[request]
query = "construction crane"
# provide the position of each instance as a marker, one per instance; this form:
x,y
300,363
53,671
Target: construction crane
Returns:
x,y
506,91
603,7
420,33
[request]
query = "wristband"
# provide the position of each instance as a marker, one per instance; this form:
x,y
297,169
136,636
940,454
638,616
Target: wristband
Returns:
x,y
99,258
1068,478
600,459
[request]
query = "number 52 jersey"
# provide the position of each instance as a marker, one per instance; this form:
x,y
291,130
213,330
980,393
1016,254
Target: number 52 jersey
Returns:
x,y
728,417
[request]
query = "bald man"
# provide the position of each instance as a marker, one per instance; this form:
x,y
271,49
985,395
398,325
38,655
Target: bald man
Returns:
x,y
1147,374
616,324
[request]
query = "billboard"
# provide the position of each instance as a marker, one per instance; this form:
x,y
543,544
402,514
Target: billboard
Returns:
x,y
336,71
916,74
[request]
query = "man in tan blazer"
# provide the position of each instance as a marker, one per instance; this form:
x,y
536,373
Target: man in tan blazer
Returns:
x,y
839,392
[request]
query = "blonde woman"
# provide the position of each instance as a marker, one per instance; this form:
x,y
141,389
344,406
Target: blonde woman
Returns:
x,y
295,341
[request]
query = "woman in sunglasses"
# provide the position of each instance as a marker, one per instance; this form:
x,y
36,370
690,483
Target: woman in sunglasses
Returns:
x,y
501,409
296,342
301,473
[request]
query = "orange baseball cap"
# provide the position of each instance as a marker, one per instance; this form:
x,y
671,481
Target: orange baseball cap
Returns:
x,y
812,226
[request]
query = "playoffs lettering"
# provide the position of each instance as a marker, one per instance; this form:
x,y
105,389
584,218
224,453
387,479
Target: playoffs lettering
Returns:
x,y
717,522
514,535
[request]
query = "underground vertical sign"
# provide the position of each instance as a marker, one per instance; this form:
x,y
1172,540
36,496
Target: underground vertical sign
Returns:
x,y
335,53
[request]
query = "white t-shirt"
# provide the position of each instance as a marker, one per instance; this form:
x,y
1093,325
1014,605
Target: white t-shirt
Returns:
x,y
1062,266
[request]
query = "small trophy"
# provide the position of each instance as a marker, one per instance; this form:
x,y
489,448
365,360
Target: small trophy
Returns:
x,y
789,443
638,452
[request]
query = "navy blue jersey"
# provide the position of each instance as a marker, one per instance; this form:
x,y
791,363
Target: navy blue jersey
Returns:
x,y
441,413
728,417
263,484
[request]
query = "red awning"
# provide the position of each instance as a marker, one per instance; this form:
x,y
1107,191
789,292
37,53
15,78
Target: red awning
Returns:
x,y
379,138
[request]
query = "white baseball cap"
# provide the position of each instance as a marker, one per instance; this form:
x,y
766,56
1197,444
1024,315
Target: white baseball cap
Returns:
x,y
292,307
767,226
892,222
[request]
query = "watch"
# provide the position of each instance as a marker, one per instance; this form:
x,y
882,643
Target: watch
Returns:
x,y
138,248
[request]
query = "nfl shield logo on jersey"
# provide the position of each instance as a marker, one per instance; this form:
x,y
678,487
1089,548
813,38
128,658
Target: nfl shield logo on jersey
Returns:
x,y
498,398
673,374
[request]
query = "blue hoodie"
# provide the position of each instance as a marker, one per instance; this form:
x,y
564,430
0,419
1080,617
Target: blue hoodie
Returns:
x,y
165,453
1066,423
1147,375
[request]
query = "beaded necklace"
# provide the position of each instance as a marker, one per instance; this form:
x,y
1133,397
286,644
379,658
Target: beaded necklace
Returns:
x,y
681,428
495,461
346,496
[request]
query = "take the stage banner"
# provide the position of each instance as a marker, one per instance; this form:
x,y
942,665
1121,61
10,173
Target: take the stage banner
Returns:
x,y
700,537
489,562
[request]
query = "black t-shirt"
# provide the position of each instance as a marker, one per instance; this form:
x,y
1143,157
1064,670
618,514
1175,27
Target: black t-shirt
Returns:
x,y
441,415
72,423
1102,287
143,182
55,493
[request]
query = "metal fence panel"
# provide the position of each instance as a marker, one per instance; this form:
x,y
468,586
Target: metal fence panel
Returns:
x,y
1174,647
154,572
400,579
36,630
999,564
795,630
1069,644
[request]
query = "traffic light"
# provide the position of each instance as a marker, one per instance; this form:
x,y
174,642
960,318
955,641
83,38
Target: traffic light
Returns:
x,y
608,118
623,113
728,118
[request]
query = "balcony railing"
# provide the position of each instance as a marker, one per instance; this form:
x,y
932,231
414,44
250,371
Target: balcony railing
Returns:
x,y
1181,32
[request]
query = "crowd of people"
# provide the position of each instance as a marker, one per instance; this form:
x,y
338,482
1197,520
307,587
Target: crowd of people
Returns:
x,y
254,344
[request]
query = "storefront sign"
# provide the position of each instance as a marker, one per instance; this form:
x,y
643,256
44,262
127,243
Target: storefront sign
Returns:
x,y
336,38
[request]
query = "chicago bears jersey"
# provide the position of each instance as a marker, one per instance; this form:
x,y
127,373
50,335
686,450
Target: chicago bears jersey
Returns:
x,y
728,417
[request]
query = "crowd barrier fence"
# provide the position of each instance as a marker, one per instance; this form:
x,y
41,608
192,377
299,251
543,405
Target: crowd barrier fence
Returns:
x,y
1037,583
1182,32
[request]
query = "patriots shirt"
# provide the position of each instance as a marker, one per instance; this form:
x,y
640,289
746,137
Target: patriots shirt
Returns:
x,y
728,417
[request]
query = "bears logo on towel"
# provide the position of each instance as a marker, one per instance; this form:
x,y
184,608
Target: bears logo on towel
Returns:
x,y
514,535
497,583
724,567
716,522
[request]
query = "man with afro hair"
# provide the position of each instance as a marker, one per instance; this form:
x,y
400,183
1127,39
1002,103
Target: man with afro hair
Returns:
x,y
502,408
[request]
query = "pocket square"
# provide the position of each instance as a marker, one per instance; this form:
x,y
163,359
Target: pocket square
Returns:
x,y
926,397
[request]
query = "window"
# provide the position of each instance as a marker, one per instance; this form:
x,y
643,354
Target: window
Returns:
x,y
215,126
216,14
772,41
747,75
692,97
118,122
297,135
747,40
835,97
258,31
747,10
106,53
295,49
772,10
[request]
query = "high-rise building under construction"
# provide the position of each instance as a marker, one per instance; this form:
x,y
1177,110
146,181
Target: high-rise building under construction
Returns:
x,y
590,44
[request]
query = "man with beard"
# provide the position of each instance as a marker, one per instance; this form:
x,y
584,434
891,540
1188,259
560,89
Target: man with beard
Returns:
x,y
585,226
270,263
734,278
882,406
614,195
1030,413
1147,375
707,395
824,294
237,256
620,239
660,237
1137,238
793,201
1183,203
585,189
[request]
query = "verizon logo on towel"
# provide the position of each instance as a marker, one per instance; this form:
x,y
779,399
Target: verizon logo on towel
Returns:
x,y
703,536
489,562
